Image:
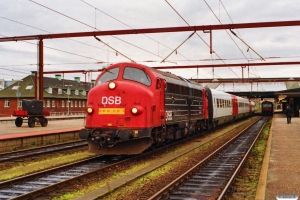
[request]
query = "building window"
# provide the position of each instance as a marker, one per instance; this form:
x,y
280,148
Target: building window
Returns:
x,y
59,91
79,103
71,103
76,92
48,104
83,93
63,103
6,103
16,87
75,103
50,90
83,104
53,103
29,87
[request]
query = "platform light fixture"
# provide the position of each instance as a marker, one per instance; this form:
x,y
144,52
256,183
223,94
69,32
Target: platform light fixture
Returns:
x,y
68,92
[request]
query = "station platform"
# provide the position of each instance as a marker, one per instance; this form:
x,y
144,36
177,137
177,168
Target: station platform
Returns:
x,y
5,120
55,124
280,174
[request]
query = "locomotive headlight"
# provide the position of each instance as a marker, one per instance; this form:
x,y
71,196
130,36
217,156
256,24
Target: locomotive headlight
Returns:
x,y
89,110
134,110
137,110
112,85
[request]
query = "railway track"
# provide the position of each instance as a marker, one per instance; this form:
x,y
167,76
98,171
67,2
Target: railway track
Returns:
x,y
17,155
211,178
34,185
52,181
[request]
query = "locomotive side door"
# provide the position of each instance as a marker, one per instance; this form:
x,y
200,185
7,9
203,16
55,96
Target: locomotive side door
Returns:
x,y
159,111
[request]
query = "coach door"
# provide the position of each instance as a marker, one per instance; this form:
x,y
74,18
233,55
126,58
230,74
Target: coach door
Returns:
x,y
234,105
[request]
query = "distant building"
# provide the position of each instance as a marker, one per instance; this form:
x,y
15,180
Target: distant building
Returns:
x,y
2,81
61,96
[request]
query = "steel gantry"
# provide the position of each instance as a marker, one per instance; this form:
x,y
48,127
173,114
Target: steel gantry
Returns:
x,y
40,85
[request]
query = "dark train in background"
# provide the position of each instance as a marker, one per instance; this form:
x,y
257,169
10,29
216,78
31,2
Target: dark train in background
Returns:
x,y
133,107
267,108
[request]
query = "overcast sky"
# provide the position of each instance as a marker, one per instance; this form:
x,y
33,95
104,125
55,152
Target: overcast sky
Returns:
x,y
32,17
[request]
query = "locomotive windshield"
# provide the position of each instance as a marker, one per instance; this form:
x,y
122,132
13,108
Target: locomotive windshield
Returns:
x,y
108,75
267,105
138,75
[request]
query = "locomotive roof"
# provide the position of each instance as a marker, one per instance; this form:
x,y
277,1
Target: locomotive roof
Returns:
x,y
172,78
169,77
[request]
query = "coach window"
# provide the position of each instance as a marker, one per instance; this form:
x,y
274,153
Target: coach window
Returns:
x,y
138,75
108,75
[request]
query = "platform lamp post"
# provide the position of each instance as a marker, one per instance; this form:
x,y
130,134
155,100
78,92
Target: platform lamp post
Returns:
x,y
68,97
18,93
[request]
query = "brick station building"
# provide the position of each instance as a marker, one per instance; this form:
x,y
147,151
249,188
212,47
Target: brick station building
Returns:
x,y
57,93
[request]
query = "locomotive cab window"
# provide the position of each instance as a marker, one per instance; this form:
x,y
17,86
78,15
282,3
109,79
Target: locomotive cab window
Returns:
x,y
138,75
108,75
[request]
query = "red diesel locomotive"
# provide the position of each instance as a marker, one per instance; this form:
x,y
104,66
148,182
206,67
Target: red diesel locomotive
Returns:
x,y
133,107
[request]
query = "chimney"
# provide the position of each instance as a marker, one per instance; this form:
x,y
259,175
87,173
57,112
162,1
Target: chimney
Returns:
x,y
58,76
77,79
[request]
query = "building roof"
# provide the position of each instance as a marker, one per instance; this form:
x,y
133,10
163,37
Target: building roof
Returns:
x,y
78,89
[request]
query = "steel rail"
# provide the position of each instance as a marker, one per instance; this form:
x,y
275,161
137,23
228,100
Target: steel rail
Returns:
x,y
164,191
236,172
9,156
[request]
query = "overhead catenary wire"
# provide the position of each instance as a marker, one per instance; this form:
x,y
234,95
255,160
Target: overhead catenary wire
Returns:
x,y
113,48
196,32
88,25
105,13
178,46
50,32
227,33
237,32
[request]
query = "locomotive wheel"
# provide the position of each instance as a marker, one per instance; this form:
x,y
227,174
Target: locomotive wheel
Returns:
x,y
43,121
31,122
18,121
